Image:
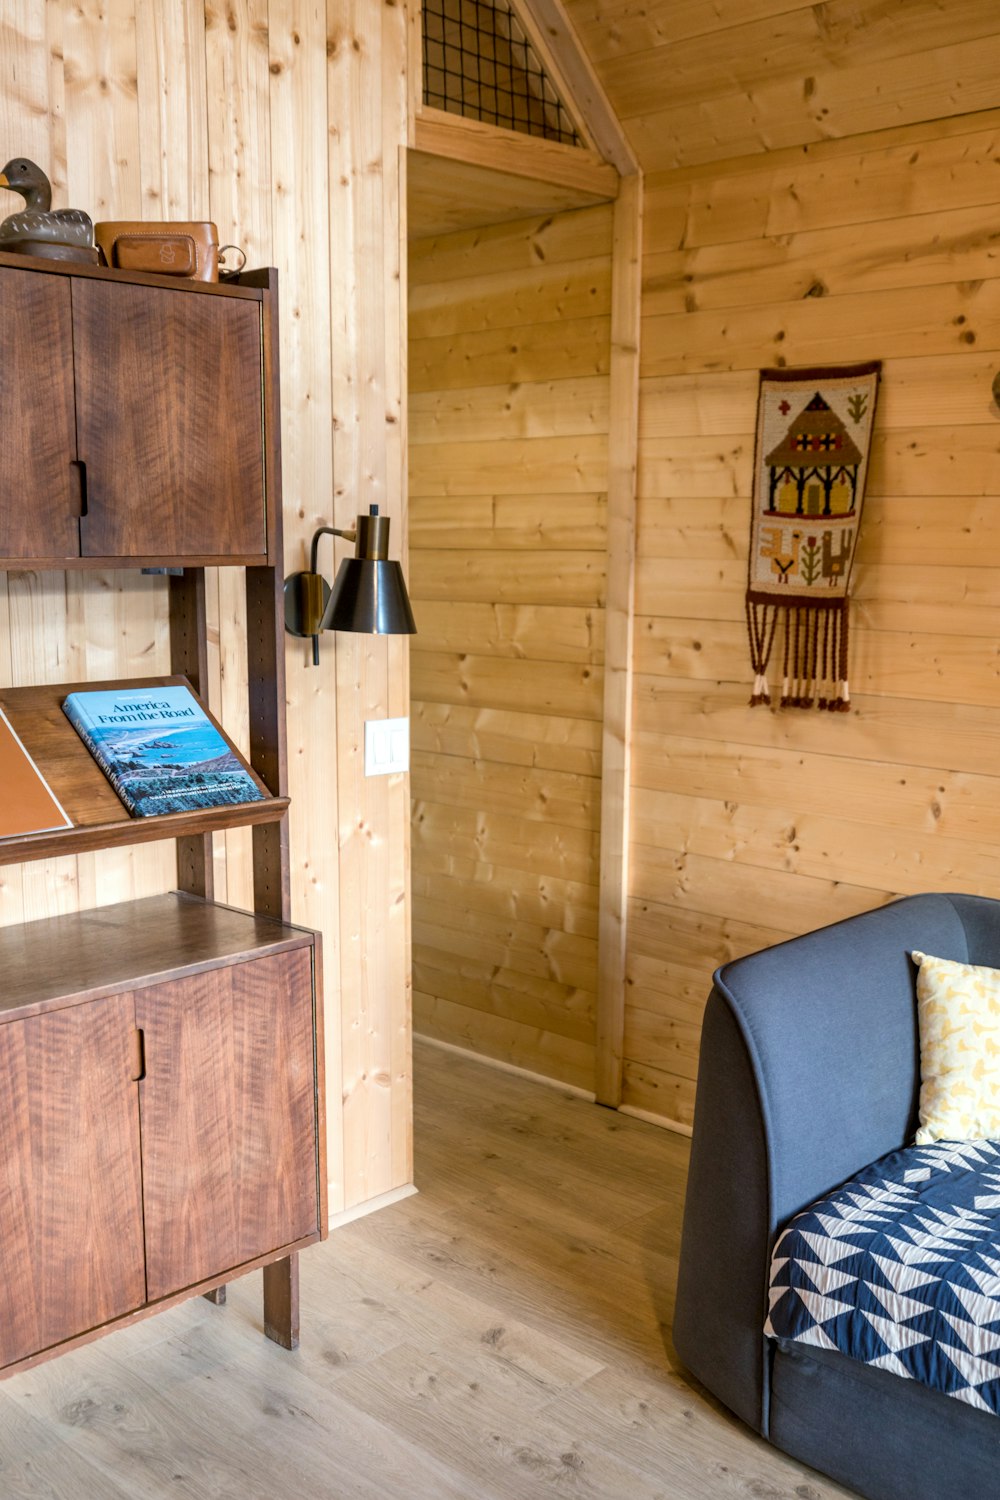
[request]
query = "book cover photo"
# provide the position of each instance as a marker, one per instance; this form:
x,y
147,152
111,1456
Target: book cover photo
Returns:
x,y
28,804
159,750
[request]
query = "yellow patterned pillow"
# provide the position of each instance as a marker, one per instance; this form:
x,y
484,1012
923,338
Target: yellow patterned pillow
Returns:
x,y
958,1008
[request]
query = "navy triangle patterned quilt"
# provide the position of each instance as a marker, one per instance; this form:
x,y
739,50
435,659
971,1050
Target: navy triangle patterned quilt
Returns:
x,y
900,1268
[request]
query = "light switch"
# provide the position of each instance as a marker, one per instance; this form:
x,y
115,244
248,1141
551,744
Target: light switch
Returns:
x,y
387,746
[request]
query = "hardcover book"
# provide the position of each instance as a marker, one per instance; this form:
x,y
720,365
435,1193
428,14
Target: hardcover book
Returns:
x,y
27,804
160,750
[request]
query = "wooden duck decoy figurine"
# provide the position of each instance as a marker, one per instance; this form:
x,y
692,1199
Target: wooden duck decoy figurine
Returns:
x,y
39,229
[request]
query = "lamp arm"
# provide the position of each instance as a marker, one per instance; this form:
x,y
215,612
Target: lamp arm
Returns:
x,y
349,535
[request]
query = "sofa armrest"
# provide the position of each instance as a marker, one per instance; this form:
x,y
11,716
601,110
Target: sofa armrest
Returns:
x,y
721,1292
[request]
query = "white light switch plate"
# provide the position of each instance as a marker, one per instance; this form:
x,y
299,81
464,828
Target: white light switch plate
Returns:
x,y
387,746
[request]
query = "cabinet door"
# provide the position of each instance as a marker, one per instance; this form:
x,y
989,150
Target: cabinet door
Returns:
x,y
39,489
169,422
70,1191
228,1111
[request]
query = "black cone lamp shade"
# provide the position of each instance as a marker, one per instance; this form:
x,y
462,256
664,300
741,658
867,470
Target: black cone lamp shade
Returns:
x,y
368,596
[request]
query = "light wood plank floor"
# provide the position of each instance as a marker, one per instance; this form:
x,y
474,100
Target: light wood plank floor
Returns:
x,y
500,1336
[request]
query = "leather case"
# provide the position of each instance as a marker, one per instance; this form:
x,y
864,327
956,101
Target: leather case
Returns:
x,y
178,249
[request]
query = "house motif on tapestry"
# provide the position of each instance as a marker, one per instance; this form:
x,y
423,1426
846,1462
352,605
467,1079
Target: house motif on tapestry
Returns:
x,y
814,469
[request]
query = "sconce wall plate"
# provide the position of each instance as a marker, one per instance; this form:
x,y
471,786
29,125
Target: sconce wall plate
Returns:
x,y
306,597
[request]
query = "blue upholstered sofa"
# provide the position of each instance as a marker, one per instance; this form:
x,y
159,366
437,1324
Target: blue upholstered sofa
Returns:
x,y
809,1071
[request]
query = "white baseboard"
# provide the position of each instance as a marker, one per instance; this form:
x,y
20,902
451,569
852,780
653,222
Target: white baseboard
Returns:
x,y
506,1067
662,1121
371,1205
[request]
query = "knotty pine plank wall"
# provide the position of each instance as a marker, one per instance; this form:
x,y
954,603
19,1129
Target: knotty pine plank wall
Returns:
x,y
750,825
509,354
284,123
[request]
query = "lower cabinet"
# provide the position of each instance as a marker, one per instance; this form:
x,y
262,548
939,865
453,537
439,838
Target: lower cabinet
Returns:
x,y
70,1175
157,1137
226,1106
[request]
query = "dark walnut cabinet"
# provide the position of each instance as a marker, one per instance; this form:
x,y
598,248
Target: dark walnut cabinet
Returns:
x,y
227,1109
162,1135
39,484
131,420
161,1061
70,1180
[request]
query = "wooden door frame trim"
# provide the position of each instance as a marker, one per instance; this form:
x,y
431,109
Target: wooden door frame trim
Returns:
x,y
478,144
564,58
609,171
616,733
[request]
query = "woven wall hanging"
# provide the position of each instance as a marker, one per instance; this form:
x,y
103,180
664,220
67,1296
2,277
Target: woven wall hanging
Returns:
x,y
813,436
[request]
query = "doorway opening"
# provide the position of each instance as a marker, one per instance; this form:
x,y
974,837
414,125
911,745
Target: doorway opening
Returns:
x,y
509,358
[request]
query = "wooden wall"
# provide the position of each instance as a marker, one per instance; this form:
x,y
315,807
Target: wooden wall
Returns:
x,y
696,81
820,188
283,122
773,232
509,359
752,824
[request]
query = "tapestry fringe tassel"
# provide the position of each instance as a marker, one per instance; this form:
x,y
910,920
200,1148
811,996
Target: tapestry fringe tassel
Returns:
x,y
814,659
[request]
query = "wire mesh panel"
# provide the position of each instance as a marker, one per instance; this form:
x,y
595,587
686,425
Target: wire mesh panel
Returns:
x,y
479,63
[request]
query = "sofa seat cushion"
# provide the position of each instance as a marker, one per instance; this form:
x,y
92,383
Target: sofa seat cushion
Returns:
x,y
900,1268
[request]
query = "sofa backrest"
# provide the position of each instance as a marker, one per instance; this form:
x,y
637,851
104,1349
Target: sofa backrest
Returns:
x,y
809,1070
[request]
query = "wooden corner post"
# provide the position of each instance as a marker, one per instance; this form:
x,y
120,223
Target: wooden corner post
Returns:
x,y
626,271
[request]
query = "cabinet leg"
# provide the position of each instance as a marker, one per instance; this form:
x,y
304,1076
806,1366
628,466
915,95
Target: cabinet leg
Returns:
x,y
281,1301
216,1295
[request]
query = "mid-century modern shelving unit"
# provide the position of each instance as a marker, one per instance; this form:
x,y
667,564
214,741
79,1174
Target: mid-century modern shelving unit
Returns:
x,y
160,1060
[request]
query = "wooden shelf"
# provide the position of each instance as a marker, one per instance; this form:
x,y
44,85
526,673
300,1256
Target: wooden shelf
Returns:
x,y
188,1036
100,819
129,946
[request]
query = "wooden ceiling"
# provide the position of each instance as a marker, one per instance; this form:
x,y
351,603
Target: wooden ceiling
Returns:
x,y
702,80
444,196
465,175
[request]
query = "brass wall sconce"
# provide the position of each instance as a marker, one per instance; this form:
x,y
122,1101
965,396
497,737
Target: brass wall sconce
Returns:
x,y
369,593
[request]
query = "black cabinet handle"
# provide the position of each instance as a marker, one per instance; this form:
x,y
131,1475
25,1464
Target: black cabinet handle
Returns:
x,y
138,1071
81,472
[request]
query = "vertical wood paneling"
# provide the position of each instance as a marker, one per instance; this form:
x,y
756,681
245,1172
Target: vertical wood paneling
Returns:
x,y
508,532
113,618
102,112
298,95
268,119
173,183
367,93
54,34
34,598
24,117
399,1049
173,108
239,173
